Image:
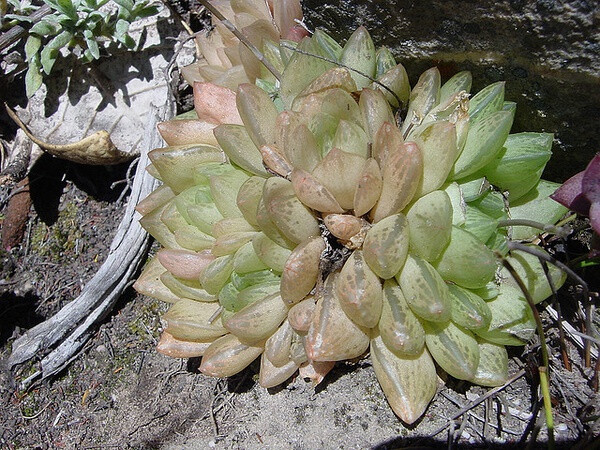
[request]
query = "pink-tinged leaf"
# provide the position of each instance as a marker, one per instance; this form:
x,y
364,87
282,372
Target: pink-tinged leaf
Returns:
x,y
591,180
343,226
359,291
291,216
187,131
301,270
296,33
185,264
368,188
156,199
285,14
570,195
339,172
312,193
176,348
150,284
227,356
301,314
256,32
215,104
332,335
315,371
402,173
387,140
271,375
274,160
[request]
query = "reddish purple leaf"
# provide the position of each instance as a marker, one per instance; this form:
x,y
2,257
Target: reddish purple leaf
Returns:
x,y
590,183
595,216
570,195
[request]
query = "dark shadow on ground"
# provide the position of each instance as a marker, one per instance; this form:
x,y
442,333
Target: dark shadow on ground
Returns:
x,y
49,176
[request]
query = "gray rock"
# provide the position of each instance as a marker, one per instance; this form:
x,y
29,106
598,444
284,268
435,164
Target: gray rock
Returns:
x,y
548,52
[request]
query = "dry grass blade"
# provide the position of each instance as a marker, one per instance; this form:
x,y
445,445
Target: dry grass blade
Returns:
x,y
477,401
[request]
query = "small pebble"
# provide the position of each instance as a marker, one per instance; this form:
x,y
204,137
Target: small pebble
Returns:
x,y
562,427
101,348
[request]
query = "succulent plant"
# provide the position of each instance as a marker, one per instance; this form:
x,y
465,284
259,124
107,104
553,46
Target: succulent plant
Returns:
x,y
303,226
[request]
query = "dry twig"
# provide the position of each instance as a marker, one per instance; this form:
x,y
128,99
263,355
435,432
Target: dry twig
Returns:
x,y
62,336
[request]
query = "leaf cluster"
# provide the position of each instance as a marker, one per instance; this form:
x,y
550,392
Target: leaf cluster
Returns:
x,y
83,27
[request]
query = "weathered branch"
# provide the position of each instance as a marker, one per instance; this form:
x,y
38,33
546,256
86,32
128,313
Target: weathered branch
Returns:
x,y
58,340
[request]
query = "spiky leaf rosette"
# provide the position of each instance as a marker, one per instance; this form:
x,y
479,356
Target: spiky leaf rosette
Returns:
x,y
307,227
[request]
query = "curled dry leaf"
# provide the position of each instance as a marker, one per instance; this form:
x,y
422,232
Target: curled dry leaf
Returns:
x,y
96,149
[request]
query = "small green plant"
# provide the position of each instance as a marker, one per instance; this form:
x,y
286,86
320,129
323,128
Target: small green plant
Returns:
x,y
84,27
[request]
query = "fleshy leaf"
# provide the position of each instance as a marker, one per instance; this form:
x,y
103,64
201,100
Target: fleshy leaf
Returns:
x,y
454,349
258,113
439,149
359,291
368,188
493,365
294,219
424,290
301,270
409,382
386,245
531,272
400,329
258,320
512,320
466,261
484,141
359,54
215,104
460,82
332,335
312,193
339,172
188,320
519,164
538,206
227,356
237,144
430,225
401,175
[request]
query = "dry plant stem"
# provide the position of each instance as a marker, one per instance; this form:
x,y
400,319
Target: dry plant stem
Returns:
x,y
184,24
561,331
69,329
554,229
17,32
586,293
214,11
478,400
543,369
575,335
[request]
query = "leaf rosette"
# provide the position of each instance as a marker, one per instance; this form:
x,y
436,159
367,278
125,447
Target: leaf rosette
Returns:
x,y
301,224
